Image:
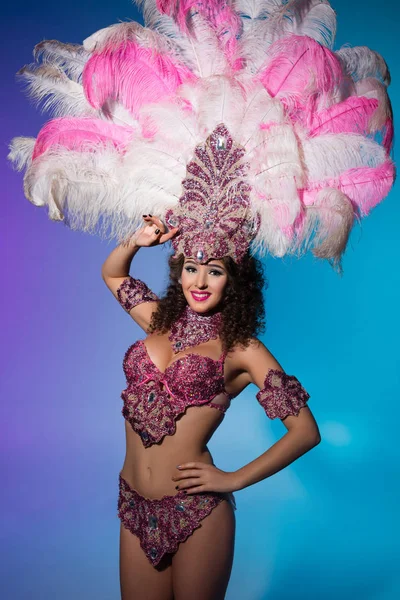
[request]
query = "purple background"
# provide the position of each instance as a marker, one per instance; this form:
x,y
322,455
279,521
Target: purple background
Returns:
x,y
325,527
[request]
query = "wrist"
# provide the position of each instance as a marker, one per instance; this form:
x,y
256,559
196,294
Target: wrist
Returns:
x,y
130,245
237,481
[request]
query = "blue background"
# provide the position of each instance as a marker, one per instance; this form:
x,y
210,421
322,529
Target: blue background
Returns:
x,y
326,527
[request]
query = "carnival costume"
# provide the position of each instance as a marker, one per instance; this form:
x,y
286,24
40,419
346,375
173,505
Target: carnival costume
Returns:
x,y
235,122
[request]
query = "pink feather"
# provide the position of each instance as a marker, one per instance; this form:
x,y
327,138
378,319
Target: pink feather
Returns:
x,y
350,116
365,186
132,75
226,23
177,9
388,136
298,67
80,134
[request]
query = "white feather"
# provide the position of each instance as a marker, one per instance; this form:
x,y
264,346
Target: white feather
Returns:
x,y
269,238
119,33
175,128
166,26
259,109
166,172
314,18
329,155
215,100
361,62
274,155
256,9
73,170
70,58
327,226
102,192
21,150
266,22
275,175
117,113
372,88
49,86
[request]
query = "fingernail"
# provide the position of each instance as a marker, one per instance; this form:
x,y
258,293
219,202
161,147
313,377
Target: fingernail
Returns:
x,y
178,467
157,231
144,215
177,487
185,491
150,215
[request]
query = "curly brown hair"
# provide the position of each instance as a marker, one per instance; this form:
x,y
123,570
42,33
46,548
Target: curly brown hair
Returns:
x,y
243,313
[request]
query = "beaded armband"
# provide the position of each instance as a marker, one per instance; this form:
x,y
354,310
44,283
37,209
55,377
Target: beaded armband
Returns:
x,y
282,395
132,292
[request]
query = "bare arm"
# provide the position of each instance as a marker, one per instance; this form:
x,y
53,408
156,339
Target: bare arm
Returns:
x,y
255,364
302,435
118,262
115,272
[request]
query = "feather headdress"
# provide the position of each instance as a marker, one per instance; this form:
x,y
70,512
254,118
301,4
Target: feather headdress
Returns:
x,y
235,119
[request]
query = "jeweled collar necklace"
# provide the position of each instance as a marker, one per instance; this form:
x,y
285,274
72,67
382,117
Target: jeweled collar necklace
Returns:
x,y
193,329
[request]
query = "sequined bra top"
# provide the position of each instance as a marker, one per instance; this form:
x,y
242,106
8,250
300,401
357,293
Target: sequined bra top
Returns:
x,y
154,399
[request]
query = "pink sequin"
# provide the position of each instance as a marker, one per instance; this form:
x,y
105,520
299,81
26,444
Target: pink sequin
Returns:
x,y
193,329
214,214
161,524
132,292
282,395
154,399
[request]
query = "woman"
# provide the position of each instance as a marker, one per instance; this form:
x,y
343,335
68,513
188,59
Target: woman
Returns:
x,y
238,126
178,458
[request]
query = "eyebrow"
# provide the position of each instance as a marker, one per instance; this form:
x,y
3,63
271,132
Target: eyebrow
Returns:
x,y
190,260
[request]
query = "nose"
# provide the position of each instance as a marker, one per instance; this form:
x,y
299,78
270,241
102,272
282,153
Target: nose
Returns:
x,y
201,279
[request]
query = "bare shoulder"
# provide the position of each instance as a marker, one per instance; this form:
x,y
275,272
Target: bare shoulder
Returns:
x,y
255,352
250,363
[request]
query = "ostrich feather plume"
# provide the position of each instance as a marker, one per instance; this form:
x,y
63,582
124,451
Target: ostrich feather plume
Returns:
x,y
147,118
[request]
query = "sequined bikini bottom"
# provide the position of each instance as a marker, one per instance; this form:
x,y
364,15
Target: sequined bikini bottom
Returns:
x,y
161,524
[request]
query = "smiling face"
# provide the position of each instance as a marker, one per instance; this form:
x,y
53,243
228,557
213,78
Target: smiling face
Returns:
x,y
203,285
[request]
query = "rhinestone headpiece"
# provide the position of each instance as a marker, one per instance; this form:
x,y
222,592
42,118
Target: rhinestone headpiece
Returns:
x,y
213,213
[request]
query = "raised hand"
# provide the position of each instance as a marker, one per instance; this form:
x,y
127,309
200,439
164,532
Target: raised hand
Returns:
x,y
153,232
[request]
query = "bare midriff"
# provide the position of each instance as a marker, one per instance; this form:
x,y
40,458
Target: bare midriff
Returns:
x,y
150,470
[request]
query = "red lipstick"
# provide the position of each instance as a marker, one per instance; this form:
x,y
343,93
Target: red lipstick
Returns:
x,y
200,296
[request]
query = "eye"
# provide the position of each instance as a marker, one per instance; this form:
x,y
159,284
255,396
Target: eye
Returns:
x,y
215,272
190,269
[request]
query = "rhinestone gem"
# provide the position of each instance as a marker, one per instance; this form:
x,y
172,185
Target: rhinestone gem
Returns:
x,y
144,435
178,344
131,503
180,507
153,522
200,255
151,396
153,553
208,224
172,221
221,142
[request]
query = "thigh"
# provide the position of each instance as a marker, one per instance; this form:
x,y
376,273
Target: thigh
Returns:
x,y
139,579
202,565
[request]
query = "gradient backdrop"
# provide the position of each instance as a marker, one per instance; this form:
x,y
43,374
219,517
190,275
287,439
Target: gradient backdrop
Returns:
x,y
324,528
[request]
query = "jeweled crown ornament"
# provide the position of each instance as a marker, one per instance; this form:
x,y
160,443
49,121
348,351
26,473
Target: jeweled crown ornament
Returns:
x,y
213,214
